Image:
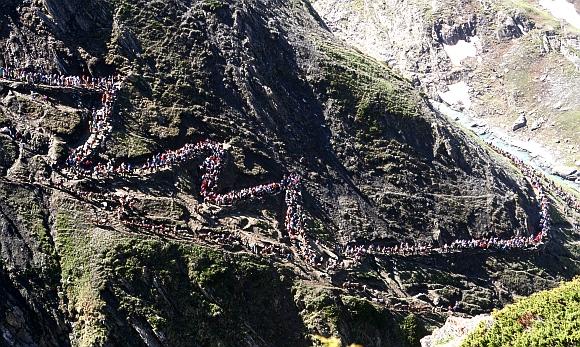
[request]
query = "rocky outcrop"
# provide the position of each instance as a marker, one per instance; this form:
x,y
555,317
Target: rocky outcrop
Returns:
x,y
568,46
8,153
566,172
510,26
455,331
537,124
520,122
88,23
448,32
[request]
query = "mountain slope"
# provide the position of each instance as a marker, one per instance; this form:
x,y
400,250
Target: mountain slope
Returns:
x,y
497,61
549,318
271,82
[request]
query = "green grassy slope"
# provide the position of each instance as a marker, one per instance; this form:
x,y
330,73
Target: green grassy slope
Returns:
x,y
549,318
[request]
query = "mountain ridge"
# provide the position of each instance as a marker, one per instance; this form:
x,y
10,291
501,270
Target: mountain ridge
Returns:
x,y
268,79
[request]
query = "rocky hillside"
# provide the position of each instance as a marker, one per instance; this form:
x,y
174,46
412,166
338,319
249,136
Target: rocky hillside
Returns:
x,y
284,95
513,65
549,316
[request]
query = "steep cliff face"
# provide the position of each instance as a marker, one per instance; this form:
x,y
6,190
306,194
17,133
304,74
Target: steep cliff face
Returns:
x,y
510,58
269,80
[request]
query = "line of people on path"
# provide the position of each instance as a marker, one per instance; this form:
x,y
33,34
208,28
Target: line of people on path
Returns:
x,y
82,161
79,161
127,213
34,77
211,168
570,200
123,207
358,252
100,128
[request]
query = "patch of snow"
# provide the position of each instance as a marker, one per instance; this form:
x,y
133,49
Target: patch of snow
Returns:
x,y
462,50
458,94
562,9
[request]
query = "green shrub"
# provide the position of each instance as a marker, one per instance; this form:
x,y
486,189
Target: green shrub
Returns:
x,y
412,330
549,318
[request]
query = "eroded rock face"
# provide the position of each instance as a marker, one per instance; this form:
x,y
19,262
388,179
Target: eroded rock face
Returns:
x,y
79,21
449,32
29,278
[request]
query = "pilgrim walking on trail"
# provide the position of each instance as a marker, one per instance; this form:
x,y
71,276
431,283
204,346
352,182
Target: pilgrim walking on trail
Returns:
x,y
84,161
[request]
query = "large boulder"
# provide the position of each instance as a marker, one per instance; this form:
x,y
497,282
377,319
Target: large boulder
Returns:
x,y
449,33
565,172
455,330
510,26
520,122
537,124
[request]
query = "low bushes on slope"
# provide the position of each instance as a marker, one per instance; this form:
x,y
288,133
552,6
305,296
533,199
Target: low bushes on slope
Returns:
x,y
549,318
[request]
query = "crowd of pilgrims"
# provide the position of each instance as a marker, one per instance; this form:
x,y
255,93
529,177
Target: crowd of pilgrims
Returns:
x,y
543,185
81,162
100,128
123,207
58,80
538,178
358,252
